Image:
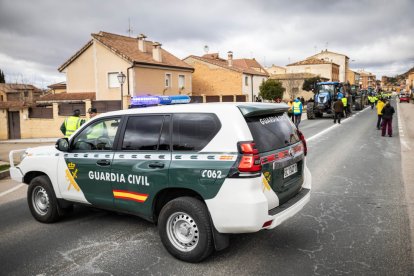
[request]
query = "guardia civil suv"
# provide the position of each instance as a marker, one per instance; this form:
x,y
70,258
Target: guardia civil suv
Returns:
x,y
199,171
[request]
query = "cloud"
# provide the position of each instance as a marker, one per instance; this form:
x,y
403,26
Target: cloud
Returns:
x,y
43,34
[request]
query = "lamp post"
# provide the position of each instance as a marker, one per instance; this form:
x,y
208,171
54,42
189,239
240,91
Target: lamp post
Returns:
x,y
121,78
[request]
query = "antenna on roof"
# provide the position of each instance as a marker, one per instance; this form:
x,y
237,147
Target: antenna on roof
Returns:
x,y
206,49
130,30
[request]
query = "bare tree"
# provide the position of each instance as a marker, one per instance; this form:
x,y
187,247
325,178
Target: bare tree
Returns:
x,y
292,85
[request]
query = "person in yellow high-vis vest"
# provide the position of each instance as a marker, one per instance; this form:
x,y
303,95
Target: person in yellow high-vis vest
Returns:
x,y
380,106
345,102
71,124
297,111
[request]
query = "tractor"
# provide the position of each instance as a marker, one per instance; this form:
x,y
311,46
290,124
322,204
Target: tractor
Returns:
x,y
325,93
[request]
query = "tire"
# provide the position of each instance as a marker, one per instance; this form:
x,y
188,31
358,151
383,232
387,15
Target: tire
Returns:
x,y
42,200
190,215
357,106
310,112
318,115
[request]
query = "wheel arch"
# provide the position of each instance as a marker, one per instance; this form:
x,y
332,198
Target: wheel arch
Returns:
x,y
168,194
32,174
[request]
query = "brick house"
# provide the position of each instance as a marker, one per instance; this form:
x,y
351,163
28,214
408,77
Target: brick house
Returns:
x,y
340,59
215,76
320,67
149,69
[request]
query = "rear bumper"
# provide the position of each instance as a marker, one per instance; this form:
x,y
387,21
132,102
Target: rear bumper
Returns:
x,y
241,206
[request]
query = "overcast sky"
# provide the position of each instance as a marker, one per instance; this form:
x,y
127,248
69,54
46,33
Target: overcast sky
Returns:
x,y
36,37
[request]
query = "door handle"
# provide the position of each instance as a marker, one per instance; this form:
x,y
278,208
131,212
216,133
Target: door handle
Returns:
x,y
103,163
156,165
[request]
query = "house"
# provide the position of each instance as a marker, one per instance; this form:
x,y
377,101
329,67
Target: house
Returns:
x,y
320,67
340,59
215,76
367,79
293,83
14,98
352,77
57,88
14,92
276,70
149,69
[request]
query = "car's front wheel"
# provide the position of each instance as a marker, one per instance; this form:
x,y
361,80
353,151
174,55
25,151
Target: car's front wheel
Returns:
x,y
185,229
42,200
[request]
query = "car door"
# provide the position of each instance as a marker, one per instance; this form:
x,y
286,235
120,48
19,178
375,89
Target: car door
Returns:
x,y
85,171
144,158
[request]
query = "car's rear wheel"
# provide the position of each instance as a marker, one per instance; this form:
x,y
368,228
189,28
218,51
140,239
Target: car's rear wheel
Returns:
x,y
42,200
185,229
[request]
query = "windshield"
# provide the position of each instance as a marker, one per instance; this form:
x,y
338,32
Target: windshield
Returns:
x,y
326,88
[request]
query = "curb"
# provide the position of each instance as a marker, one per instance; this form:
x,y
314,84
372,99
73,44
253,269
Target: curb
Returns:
x,y
4,174
29,141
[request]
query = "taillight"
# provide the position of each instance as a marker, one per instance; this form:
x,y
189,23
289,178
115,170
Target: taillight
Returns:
x,y
250,159
302,138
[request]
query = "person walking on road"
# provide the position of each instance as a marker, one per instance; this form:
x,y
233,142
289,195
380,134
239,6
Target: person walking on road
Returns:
x,y
338,107
380,106
387,113
345,104
71,124
290,111
297,111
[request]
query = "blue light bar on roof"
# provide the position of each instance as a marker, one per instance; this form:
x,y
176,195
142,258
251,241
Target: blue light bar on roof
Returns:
x,y
142,101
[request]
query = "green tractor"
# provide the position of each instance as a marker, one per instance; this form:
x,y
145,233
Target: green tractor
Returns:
x,y
359,97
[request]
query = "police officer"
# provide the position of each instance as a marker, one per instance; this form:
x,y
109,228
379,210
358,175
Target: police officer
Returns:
x,y
297,111
92,112
71,123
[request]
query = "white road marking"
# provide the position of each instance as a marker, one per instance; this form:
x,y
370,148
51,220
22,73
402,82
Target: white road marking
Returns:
x,y
401,129
334,126
12,190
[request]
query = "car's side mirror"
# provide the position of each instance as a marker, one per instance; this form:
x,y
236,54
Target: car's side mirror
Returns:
x,y
62,144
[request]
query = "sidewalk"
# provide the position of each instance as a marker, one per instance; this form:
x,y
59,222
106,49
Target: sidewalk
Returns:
x,y
29,141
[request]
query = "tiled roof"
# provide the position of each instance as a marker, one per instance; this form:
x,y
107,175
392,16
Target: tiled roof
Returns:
x,y
59,85
240,66
311,60
127,48
294,76
330,52
67,97
14,104
17,87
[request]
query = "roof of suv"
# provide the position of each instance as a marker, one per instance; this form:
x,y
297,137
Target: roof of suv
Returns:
x,y
246,108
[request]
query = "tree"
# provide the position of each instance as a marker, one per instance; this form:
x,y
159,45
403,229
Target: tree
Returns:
x,y
271,89
292,84
2,78
309,84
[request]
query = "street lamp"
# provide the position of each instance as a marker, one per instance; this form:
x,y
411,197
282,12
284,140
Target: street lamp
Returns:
x,y
121,78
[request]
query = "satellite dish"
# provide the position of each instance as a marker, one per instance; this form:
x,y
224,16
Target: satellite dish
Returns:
x,y
206,49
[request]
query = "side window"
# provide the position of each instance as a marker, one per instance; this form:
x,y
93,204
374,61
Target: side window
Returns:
x,y
192,132
97,136
146,133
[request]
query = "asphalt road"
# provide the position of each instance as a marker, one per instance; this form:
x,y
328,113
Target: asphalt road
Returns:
x,y
356,223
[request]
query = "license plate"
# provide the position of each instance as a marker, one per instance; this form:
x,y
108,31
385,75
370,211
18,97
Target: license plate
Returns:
x,y
292,169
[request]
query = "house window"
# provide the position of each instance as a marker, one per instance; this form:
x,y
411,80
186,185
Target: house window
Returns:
x,y
246,81
113,80
167,80
181,81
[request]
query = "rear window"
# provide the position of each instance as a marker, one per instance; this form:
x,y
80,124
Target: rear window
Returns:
x,y
272,131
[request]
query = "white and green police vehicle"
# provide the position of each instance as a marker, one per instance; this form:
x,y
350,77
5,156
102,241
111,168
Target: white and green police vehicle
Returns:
x,y
199,171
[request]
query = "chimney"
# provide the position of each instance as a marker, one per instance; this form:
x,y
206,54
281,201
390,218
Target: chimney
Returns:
x,y
230,58
141,43
156,51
